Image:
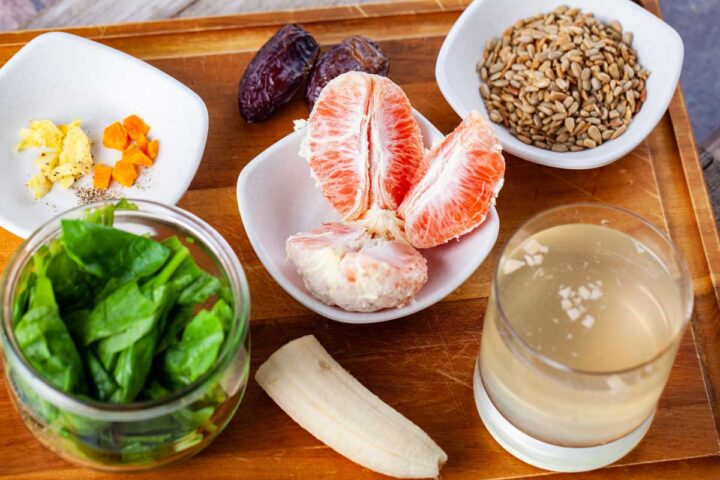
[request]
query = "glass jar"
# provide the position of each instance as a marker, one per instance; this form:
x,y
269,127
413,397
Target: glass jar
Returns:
x,y
148,433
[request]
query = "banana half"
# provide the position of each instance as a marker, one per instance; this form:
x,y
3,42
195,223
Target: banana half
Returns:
x,y
321,396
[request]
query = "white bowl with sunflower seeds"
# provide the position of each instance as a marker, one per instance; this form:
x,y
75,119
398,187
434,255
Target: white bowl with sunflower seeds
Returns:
x,y
659,50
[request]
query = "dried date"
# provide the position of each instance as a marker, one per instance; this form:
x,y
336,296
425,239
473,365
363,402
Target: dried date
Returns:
x,y
276,72
355,53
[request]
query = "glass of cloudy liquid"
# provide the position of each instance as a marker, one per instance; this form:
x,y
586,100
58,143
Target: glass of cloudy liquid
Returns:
x,y
586,313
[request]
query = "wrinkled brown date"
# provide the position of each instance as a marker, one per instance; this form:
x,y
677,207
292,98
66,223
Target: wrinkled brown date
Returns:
x,y
276,72
355,53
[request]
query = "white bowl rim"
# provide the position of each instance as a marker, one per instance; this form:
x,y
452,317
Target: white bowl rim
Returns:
x,y
603,154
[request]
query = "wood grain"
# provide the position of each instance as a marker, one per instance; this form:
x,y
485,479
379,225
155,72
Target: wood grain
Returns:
x,y
30,14
422,365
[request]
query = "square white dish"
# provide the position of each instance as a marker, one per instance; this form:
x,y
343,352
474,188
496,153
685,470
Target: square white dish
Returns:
x,y
659,48
278,198
63,77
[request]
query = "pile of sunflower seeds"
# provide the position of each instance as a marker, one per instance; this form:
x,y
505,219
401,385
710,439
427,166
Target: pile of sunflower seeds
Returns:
x,y
563,81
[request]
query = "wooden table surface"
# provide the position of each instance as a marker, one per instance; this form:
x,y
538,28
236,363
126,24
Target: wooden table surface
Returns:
x,y
421,365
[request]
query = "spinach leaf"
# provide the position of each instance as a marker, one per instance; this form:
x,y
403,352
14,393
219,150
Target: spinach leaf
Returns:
x,y
74,287
194,285
107,252
202,287
187,360
44,338
120,319
104,384
25,286
224,313
177,320
106,215
132,368
186,418
134,362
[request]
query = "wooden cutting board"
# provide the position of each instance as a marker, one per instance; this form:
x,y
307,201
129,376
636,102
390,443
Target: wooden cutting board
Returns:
x,y
422,365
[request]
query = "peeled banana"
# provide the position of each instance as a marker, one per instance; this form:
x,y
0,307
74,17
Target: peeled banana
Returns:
x,y
321,396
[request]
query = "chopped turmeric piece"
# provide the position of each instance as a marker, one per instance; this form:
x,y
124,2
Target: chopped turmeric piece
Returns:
x,y
124,173
152,149
134,155
101,176
138,151
115,136
142,143
135,126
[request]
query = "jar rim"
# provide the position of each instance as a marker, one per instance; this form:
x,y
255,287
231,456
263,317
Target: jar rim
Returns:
x,y
686,284
145,409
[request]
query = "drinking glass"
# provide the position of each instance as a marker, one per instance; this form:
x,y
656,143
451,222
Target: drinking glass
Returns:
x,y
587,310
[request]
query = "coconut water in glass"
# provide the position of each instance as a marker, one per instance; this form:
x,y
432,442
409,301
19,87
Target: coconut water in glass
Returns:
x,y
587,310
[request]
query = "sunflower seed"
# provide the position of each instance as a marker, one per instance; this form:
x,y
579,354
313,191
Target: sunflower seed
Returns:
x,y
563,80
484,91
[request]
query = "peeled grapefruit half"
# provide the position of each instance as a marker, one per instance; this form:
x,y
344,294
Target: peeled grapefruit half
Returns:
x,y
461,177
344,265
363,144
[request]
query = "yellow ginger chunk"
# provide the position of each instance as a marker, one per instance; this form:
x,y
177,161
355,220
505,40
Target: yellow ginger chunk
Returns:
x,y
66,157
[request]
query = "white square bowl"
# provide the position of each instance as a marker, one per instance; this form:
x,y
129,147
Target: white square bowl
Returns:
x,y
63,77
659,48
278,198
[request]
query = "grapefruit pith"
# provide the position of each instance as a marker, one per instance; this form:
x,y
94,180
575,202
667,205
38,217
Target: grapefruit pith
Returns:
x,y
344,265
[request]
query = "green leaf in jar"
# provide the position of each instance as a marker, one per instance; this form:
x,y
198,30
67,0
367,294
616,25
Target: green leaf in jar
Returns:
x,y
197,351
121,318
133,364
106,215
108,252
44,338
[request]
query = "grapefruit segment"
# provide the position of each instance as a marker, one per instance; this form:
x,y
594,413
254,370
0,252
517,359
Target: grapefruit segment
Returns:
x,y
363,144
396,145
344,265
461,177
336,144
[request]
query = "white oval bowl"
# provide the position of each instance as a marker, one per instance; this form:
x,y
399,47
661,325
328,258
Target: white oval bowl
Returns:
x,y
278,198
659,47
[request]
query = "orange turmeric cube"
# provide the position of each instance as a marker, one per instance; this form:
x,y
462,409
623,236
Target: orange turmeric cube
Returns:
x,y
134,155
135,126
124,173
142,143
115,136
101,176
152,149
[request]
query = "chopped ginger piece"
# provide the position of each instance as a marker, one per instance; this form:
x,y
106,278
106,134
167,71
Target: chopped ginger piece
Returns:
x,y
124,173
66,181
115,136
67,157
65,128
76,150
47,161
135,126
101,176
152,149
42,133
40,185
134,155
